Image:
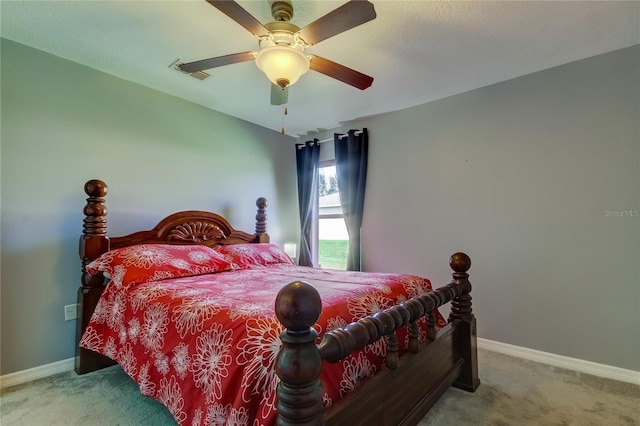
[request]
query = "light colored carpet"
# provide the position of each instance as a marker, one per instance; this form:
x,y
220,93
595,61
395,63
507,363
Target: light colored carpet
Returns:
x,y
520,392
513,392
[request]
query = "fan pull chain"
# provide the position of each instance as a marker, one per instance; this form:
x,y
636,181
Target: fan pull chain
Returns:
x,y
285,111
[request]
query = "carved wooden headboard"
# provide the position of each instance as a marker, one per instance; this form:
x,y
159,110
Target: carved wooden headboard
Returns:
x,y
194,227
185,227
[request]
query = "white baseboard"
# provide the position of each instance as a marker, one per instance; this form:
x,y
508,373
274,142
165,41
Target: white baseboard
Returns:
x,y
24,376
588,367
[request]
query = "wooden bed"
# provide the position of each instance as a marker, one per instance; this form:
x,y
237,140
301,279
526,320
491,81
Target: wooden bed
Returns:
x,y
400,394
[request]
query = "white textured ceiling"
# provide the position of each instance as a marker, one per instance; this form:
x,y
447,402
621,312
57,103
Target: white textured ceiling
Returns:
x,y
417,51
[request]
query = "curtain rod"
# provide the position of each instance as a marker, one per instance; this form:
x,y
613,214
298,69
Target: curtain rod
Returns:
x,y
341,136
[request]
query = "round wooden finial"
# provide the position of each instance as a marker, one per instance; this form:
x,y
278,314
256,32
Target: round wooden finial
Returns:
x,y
460,262
96,188
298,306
261,203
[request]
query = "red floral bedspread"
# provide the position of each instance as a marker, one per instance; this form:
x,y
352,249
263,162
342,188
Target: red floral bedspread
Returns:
x,y
205,345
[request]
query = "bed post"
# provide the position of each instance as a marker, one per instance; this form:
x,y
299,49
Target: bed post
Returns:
x,y
461,310
261,220
298,363
93,243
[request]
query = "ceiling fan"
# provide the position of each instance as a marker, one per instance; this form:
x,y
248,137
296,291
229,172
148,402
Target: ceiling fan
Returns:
x,y
281,56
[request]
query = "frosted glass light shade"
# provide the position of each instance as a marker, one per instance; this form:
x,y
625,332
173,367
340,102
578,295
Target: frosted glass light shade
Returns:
x,y
283,65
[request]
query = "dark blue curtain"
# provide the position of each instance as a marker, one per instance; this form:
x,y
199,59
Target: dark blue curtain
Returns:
x,y
351,169
307,157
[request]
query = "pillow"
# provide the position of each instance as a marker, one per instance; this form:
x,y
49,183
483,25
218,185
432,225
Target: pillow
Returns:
x,y
153,262
243,256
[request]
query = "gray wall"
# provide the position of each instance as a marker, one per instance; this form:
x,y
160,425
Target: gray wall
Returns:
x,y
521,175
62,124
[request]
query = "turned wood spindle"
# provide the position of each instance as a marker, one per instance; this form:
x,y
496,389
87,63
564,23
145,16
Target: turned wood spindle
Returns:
x,y
261,216
298,363
94,240
461,305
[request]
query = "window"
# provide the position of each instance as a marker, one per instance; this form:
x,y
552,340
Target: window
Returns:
x,y
333,238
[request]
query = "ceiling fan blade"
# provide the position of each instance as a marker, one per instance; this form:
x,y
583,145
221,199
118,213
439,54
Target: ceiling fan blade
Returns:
x,y
340,72
279,96
234,11
347,16
205,64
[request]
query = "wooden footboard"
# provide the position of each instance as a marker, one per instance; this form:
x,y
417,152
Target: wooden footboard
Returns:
x,y
409,386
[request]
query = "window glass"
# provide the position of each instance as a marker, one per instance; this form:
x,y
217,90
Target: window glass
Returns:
x,y
333,239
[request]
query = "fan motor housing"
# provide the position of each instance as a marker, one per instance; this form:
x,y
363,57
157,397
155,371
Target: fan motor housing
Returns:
x,y
281,33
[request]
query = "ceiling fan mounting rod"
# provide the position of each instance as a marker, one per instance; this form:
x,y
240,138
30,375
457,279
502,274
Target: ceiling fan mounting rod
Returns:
x,y
282,11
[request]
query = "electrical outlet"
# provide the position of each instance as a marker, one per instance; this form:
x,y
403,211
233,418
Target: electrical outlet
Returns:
x,y
70,312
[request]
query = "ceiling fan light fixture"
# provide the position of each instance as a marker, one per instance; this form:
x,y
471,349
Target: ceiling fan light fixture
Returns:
x,y
283,65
